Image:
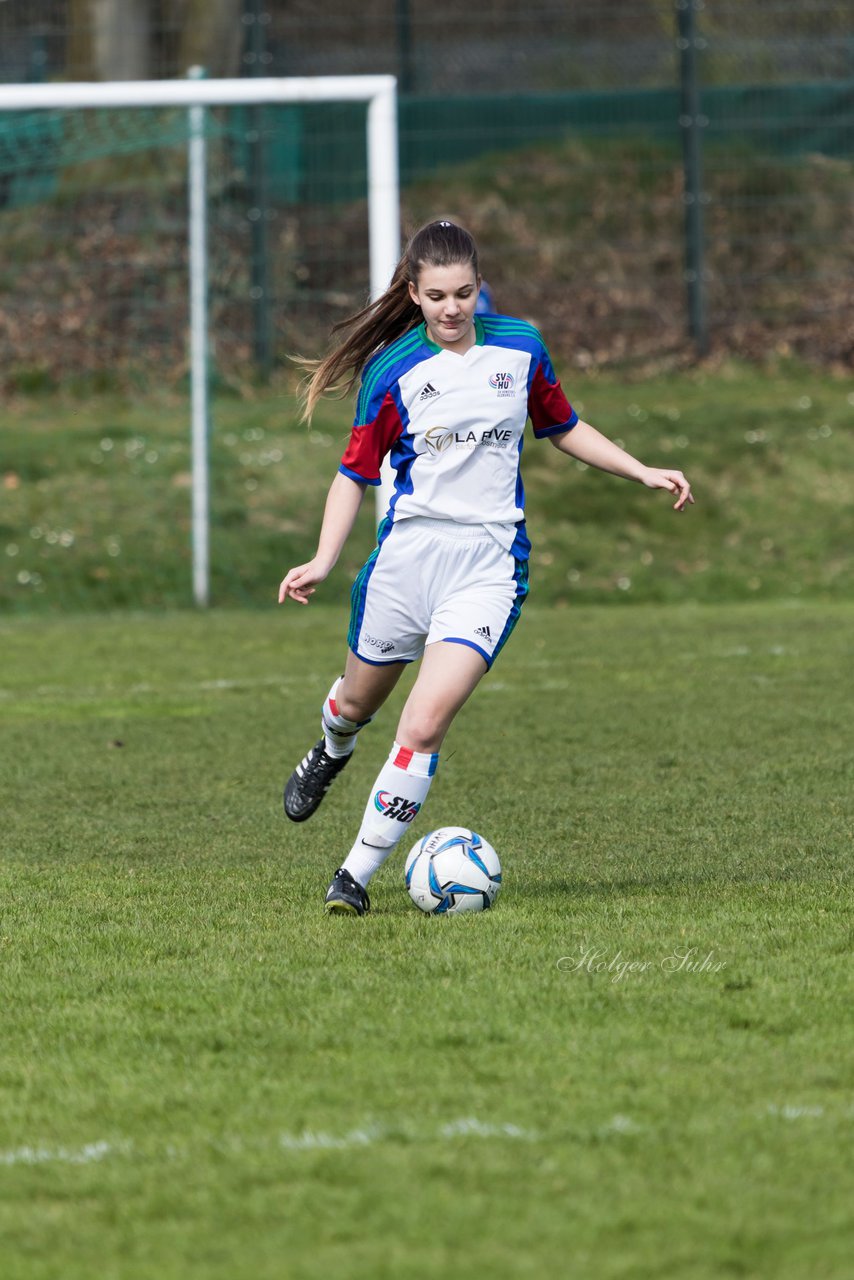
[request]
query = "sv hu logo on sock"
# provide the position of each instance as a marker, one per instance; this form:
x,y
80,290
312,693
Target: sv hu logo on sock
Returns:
x,y
396,806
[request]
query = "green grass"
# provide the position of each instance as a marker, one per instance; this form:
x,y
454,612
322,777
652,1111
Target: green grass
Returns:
x,y
201,1076
96,501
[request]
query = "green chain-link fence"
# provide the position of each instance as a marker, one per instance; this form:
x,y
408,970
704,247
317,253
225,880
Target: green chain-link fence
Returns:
x,y
557,133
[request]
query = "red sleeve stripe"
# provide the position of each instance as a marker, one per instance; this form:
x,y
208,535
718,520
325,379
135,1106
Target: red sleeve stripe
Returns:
x,y
371,441
548,406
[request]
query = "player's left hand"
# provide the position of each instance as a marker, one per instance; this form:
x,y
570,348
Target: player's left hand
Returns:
x,y
674,481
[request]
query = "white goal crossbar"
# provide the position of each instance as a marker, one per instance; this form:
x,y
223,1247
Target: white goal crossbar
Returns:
x,y
196,93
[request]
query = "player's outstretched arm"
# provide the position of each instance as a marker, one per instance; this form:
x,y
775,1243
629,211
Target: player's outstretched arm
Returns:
x,y
589,445
339,516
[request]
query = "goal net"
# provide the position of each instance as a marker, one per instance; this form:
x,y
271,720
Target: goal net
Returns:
x,y
158,238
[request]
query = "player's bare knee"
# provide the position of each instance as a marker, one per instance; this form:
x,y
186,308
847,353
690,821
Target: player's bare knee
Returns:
x,y
355,708
422,732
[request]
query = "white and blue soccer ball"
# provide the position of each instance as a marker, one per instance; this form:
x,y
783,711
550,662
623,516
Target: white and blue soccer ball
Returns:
x,y
452,870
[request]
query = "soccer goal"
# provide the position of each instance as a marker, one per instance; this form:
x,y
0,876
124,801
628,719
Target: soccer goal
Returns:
x,y
51,113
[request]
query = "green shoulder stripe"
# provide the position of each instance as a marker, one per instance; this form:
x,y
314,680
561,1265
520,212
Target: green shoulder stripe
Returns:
x,y
402,346
496,325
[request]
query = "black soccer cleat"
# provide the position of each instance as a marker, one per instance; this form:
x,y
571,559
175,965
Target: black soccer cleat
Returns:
x,y
346,896
310,781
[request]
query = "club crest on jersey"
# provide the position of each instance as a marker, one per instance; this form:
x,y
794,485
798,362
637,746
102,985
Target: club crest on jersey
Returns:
x,y
396,806
503,383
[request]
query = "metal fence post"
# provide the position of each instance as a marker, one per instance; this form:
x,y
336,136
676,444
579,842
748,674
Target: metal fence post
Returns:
x,y
692,122
405,60
256,56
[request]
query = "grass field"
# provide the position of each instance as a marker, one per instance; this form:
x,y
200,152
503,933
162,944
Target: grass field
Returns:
x,y
637,1066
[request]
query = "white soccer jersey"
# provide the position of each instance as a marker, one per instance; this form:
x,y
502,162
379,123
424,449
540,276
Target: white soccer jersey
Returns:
x,y
453,425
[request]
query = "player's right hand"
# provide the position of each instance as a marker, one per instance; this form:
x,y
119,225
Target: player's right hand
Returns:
x,y
300,582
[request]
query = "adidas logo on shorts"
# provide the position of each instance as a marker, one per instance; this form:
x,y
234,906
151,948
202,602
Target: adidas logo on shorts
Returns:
x,y
484,633
429,392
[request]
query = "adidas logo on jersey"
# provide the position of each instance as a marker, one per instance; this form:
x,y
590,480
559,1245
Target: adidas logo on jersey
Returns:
x,y
484,633
429,392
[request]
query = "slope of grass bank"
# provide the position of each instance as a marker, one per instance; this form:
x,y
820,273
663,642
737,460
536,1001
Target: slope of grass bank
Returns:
x,y
96,495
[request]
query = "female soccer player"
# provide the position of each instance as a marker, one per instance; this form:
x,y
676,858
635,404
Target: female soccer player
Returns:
x,y
446,394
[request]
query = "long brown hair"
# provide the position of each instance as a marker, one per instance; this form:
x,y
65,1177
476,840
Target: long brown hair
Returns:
x,y
438,244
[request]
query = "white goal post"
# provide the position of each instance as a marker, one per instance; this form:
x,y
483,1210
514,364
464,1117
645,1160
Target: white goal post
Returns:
x,y
196,93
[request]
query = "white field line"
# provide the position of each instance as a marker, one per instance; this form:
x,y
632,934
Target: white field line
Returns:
x,y
104,694
466,1127
62,1155
795,1113
318,1140
308,1140
744,651
618,1124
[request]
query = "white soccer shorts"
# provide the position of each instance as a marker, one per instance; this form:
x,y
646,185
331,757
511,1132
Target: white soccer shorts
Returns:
x,y
433,580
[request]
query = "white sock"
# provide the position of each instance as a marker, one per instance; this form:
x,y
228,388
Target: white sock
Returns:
x,y
340,733
398,793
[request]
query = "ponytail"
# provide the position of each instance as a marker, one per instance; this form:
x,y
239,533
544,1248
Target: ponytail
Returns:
x,y
438,244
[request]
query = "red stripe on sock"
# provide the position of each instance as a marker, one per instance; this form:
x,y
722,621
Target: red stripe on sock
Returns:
x,y
333,706
403,757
